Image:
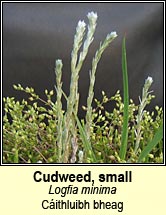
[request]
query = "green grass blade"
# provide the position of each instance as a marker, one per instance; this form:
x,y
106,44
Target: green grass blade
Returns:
x,y
157,137
86,142
124,139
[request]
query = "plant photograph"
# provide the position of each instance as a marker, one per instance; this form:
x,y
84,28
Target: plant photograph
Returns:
x,y
98,97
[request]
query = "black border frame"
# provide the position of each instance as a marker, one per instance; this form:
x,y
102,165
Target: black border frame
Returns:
x,y
83,164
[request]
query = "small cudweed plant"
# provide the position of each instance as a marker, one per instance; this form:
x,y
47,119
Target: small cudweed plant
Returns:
x,y
46,133
143,102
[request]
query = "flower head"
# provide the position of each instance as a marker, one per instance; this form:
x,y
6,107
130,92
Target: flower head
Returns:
x,y
113,34
92,15
92,18
149,80
148,83
81,24
39,161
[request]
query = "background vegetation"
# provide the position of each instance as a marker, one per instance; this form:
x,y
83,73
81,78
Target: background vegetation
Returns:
x,y
34,133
